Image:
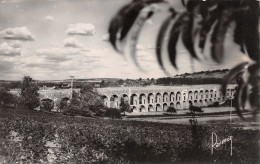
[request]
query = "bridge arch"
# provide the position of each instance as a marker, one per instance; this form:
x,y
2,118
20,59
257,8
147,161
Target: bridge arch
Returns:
x,y
105,100
158,107
150,108
178,105
171,96
201,94
158,97
150,98
165,97
206,94
196,95
142,108
114,101
63,103
211,93
165,107
190,95
126,98
142,99
134,109
178,96
206,102
133,99
47,104
201,103
196,103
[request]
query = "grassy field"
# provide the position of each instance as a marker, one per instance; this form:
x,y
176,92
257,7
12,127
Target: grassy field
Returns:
x,y
37,137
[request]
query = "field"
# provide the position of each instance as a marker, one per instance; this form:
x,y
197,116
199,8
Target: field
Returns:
x,y
36,137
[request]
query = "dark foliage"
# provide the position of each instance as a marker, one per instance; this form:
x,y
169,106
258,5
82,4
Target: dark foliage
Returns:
x,y
188,25
87,140
124,105
87,103
8,99
171,109
47,105
29,93
112,113
195,109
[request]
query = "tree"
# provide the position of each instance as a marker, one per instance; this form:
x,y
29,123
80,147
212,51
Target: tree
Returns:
x,y
87,103
47,105
124,105
8,99
29,93
196,21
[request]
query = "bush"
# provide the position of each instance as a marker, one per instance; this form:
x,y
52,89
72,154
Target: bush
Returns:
x,y
215,104
87,140
47,105
7,99
112,113
195,109
73,110
87,103
171,109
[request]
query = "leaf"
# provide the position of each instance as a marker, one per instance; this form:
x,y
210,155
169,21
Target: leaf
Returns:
x,y
161,36
254,98
187,36
174,34
129,18
254,71
116,24
134,32
241,98
252,37
218,36
206,26
231,75
240,30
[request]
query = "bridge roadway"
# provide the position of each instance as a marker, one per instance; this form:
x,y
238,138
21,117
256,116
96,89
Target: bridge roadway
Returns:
x,y
150,98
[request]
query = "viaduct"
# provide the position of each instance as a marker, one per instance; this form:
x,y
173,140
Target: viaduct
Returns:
x,y
151,98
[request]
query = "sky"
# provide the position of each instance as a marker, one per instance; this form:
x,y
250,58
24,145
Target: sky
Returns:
x,y
55,39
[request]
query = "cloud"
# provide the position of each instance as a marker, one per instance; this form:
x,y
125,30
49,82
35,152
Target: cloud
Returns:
x,y
17,33
72,42
105,37
49,18
57,54
5,66
12,49
81,29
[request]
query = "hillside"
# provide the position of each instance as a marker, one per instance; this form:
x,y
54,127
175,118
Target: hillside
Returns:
x,y
204,74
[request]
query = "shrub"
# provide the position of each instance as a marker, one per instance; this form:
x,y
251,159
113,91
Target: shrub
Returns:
x,y
73,110
87,103
171,109
7,99
195,109
87,140
215,104
112,113
29,93
47,105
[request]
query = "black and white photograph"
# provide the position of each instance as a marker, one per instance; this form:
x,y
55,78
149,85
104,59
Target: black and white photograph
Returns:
x,y
129,81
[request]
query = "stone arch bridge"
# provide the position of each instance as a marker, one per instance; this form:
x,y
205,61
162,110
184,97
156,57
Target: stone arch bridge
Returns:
x,y
150,98
159,98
